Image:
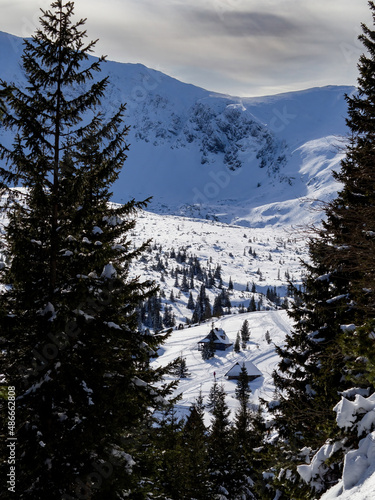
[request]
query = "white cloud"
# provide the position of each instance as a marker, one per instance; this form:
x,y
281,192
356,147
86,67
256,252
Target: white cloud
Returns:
x,y
244,47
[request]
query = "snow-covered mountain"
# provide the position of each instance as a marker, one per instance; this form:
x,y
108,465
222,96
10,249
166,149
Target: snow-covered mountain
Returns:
x,y
249,161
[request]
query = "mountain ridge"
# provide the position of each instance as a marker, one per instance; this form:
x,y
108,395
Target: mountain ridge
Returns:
x,y
253,161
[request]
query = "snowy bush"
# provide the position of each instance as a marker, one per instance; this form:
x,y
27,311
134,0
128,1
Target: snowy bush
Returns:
x,y
356,418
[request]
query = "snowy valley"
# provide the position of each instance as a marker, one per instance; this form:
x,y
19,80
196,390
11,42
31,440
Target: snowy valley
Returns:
x,y
258,263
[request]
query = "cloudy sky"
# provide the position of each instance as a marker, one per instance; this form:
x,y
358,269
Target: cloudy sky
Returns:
x,y
239,47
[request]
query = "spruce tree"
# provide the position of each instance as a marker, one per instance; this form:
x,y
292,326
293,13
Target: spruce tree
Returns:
x,y
190,304
237,344
195,477
242,393
202,309
168,458
217,274
225,301
323,356
245,333
252,306
217,309
267,337
169,319
352,215
69,328
184,285
242,439
181,370
230,284
312,366
208,350
220,443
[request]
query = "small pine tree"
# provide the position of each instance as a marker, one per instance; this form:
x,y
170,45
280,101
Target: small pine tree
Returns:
x,y
202,309
167,463
245,333
191,304
210,280
230,285
181,368
212,396
217,273
208,350
268,337
225,301
169,319
176,281
252,305
242,392
155,320
217,309
237,344
191,283
184,285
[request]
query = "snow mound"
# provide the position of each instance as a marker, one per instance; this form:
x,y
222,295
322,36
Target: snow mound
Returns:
x,y
348,411
358,477
358,481
313,472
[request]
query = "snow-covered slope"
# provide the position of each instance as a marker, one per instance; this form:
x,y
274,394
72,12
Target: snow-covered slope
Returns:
x,y
255,260
362,475
252,161
259,257
203,373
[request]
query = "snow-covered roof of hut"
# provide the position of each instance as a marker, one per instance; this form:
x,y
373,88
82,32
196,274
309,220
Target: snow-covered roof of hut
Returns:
x,y
219,337
251,369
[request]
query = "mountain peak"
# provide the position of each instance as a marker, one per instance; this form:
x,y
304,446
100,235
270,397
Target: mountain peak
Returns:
x,y
251,161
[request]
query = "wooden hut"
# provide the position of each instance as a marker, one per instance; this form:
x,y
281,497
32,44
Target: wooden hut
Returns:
x,y
219,339
252,371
